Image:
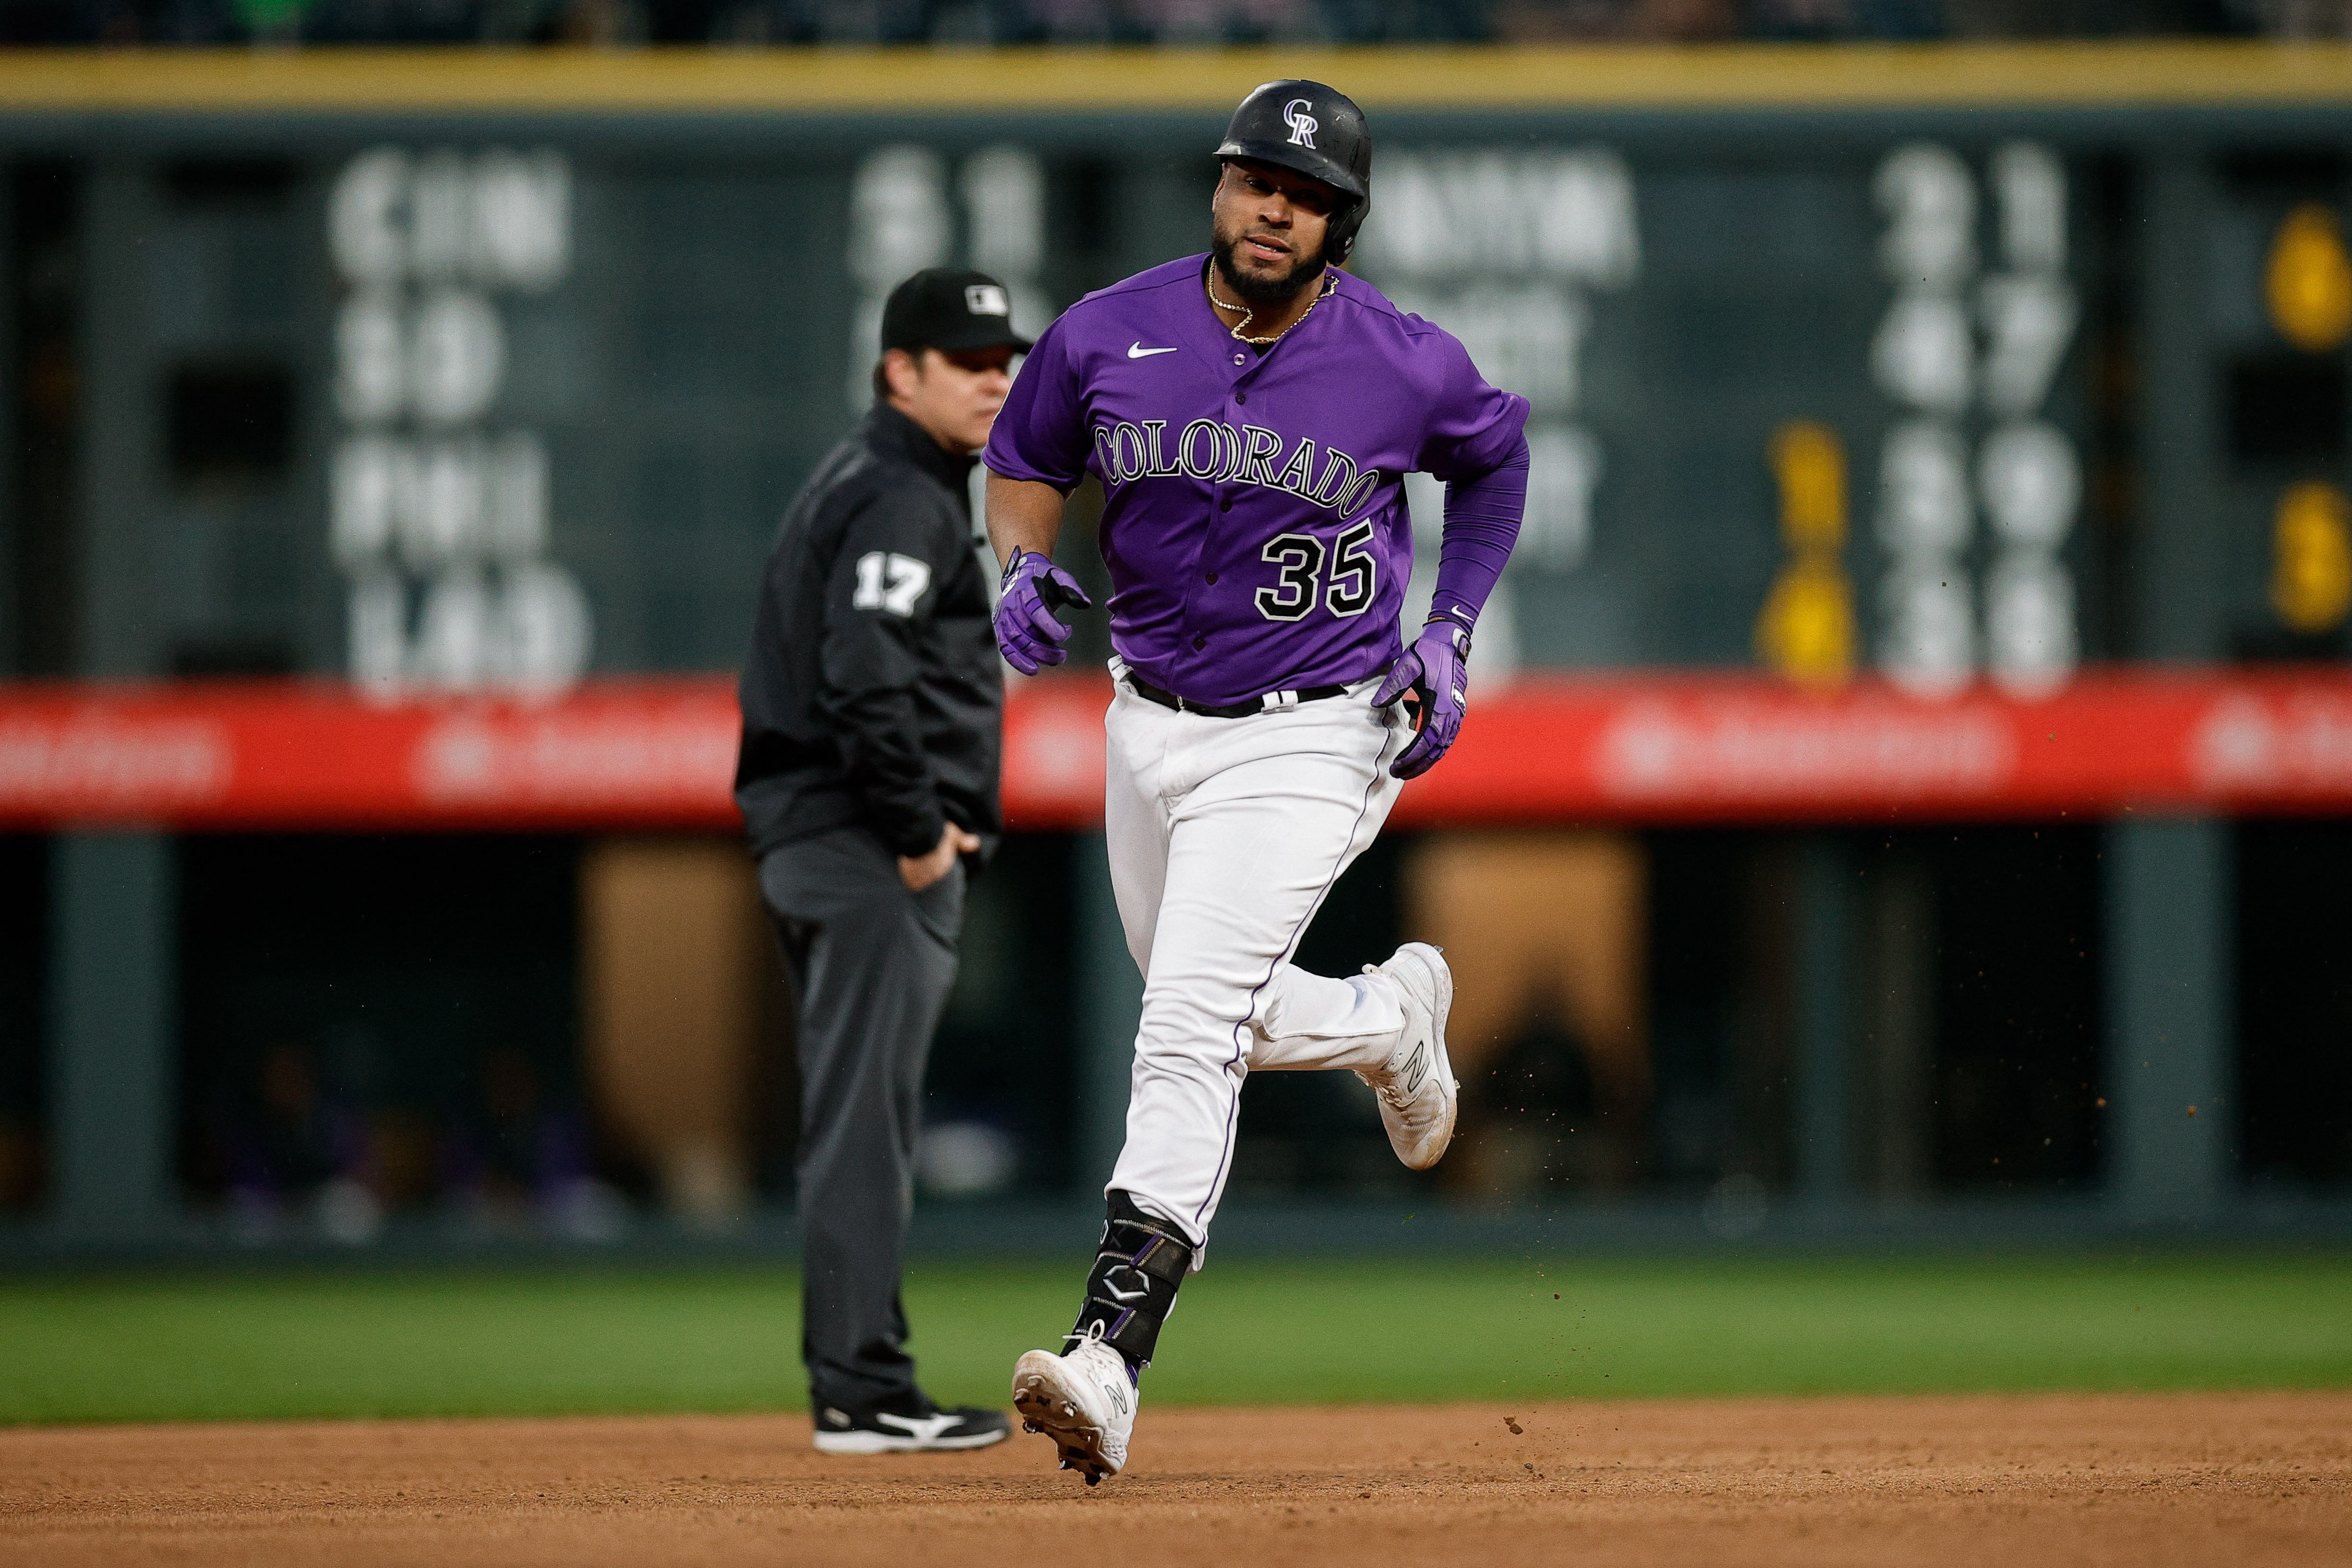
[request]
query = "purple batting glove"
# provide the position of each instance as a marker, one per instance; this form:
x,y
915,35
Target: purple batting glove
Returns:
x,y
1435,673
1028,632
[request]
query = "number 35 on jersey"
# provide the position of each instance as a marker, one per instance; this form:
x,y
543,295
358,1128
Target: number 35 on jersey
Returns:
x,y
1301,581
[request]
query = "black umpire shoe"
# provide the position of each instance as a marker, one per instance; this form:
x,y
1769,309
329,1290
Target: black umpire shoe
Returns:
x,y
909,1426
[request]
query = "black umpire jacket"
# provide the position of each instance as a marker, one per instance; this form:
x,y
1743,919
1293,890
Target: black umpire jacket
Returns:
x,y
872,694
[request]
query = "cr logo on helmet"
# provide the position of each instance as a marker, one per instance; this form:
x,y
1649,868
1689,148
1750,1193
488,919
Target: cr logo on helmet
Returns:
x,y
1302,124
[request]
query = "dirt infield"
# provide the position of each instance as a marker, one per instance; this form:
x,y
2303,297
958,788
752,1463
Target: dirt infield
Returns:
x,y
1989,1482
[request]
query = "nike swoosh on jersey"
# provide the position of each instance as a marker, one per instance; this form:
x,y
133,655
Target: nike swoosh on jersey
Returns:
x,y
1136,351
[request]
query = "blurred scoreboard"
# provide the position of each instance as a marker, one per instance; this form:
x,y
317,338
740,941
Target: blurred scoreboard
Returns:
x,y
1950,371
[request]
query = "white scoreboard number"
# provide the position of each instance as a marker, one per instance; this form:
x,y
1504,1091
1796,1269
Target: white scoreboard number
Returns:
x,y
1954,340
439,523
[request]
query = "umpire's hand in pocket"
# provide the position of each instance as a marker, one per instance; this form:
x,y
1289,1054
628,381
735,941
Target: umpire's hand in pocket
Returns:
x,y
919,871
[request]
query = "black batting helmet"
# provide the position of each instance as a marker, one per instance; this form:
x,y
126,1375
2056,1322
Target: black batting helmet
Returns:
x,y
1320,132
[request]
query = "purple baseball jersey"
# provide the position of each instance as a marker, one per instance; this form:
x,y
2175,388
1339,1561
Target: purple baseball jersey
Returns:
x,y
1254,517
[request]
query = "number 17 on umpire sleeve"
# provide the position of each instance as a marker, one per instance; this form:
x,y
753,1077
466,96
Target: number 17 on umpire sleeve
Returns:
x,y
890,582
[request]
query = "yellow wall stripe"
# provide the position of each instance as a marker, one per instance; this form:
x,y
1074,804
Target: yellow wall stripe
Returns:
x,y
1755,76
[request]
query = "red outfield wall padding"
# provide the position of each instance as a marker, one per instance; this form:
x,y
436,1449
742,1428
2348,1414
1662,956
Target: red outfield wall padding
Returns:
x,y
627,755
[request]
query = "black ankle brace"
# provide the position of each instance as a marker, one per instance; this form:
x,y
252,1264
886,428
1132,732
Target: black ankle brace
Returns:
x,y
1132,1288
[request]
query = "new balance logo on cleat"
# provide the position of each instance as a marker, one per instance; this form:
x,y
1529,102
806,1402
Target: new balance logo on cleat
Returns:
x,y
1417,1093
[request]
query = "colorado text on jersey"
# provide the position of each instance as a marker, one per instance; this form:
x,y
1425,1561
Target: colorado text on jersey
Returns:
x,y
1210,449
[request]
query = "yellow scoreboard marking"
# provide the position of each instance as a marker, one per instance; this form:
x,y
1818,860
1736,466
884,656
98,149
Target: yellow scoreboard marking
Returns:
x,y
2311,558
2309,282
1055,81
1807,629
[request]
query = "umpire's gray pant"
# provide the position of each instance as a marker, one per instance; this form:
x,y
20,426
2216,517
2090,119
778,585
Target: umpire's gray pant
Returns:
x,y
871,964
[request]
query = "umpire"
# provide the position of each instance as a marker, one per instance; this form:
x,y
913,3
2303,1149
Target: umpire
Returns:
x,y
872,707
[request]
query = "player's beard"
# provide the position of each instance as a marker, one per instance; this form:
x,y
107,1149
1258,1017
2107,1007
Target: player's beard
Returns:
x,y
1259,289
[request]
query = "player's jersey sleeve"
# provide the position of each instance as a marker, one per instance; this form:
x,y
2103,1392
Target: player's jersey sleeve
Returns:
x,y
1474,427
883,588
1041,432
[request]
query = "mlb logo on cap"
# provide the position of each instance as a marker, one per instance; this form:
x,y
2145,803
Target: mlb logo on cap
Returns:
x,y
950,310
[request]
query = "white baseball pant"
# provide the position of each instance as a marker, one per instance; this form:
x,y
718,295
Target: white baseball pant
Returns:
x,y
1225,836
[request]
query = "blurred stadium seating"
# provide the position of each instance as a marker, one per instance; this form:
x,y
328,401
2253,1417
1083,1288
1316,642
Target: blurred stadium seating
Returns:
x,y
1134,22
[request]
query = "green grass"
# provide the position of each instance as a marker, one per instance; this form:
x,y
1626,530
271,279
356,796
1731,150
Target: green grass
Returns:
x,y
216,1345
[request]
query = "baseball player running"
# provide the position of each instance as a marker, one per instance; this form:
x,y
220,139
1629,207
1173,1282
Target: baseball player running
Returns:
x,y
1250,415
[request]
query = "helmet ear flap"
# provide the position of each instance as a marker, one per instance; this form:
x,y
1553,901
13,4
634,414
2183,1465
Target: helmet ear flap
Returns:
x,y
1342,238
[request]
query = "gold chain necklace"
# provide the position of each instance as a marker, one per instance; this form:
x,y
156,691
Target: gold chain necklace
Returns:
x,y
1329,283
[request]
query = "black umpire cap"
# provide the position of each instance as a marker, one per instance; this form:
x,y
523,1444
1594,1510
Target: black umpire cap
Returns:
x,y
941,308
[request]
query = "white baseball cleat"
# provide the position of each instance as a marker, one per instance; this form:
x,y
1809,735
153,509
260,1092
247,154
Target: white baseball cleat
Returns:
x,y
1084,1401
1417,1092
